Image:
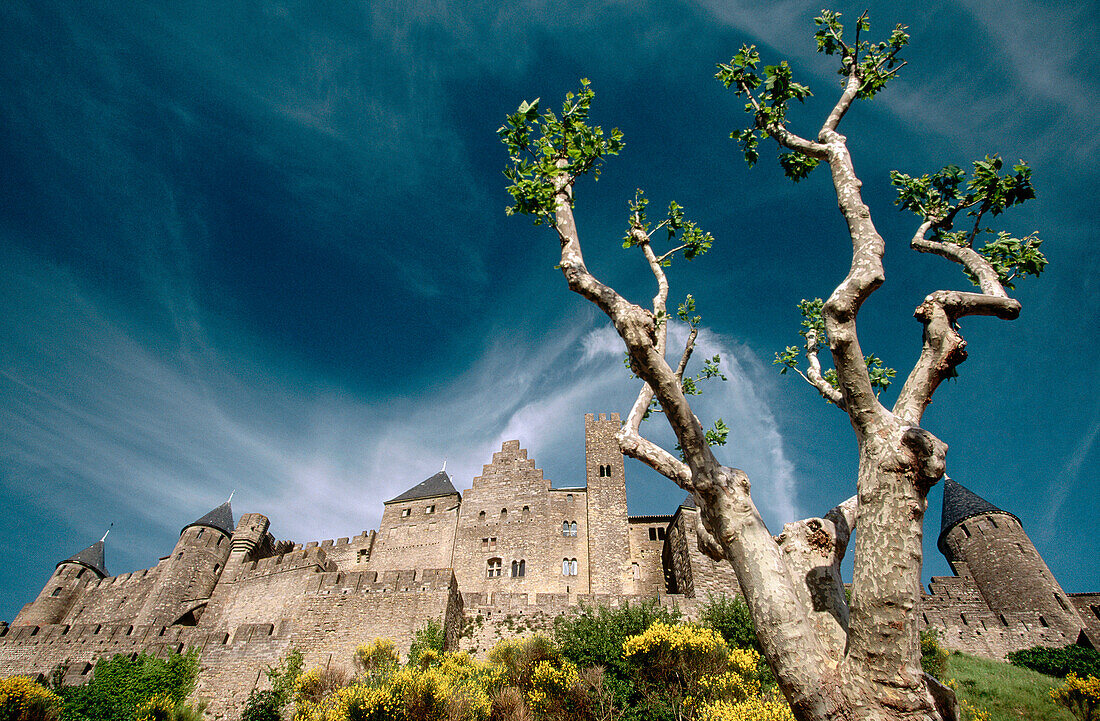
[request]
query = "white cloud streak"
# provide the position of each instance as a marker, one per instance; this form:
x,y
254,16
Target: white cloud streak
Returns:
x,y
110,428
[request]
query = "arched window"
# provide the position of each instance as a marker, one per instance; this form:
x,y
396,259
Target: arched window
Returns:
x,y
519,569
568,497
481,516
56,591
573,528
565,528
526,512
565,566
572,567
503,514
493,568
522,567
515,568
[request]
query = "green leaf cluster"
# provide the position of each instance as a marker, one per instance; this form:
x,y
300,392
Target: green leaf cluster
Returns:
x,y
1058,661
768,91
120,684
692,240
813,319
547,152
873,63
944,195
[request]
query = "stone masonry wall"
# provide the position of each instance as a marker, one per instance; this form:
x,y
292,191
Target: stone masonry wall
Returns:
x,y
511,514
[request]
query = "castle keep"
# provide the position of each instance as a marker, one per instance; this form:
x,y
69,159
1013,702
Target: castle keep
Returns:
x,y
509,555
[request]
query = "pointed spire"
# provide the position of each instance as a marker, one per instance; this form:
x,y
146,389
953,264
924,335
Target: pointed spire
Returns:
x,y
231,495
91,557
106,532
220,518
438,485
959,504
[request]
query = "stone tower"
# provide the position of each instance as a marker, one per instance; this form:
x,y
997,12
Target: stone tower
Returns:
x,y
608,539
989,545
188,576
64,587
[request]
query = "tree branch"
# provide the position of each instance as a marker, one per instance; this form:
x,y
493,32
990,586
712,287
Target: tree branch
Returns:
x,y
851,89
813,374
943,347
865,275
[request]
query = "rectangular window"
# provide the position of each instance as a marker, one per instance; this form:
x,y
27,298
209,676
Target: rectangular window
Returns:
x,y
430,509
653,534
489,544
494,568
405,512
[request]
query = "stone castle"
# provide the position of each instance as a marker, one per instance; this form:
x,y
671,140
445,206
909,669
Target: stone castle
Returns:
x,y
508,556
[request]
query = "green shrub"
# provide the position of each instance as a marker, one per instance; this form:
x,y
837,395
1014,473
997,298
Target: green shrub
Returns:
x,y
263,706
1058,661
729,616
120,684
933,656
428,638
594,636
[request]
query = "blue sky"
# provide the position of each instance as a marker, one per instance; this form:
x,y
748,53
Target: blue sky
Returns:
x,y
263,248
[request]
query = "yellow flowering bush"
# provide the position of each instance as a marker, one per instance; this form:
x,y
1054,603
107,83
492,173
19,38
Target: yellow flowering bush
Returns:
x,y
550,683
754,708
21,699
674,659
1080,695
163,707
377,657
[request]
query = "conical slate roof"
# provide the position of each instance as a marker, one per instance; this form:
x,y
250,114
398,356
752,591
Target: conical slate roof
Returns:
x,y
959,504
438,485
689,502
220,518
91,557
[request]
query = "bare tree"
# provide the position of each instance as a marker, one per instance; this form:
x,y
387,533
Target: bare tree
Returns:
x,y
834,659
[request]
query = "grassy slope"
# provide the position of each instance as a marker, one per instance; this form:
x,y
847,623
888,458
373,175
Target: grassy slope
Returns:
x,y
1007,692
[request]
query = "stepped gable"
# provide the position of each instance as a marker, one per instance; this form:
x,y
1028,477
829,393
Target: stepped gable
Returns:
x,y
959,504
91,557
220,518
438,485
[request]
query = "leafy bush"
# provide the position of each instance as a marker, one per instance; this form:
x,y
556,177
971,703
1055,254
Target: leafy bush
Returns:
x,y
268,705
1080,695
428,638
595,636
729,616
1058,661
933,656
120,684
21,699
263,706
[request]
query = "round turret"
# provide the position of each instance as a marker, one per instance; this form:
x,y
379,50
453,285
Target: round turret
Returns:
x,y
990,545
189,574
64,587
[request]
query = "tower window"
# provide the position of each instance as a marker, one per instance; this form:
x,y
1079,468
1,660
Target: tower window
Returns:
x,y
489,544
57,591
1043,622
572,567
493,568
217,567
503,514
1061,602
605,471
568,497
405,512
573,528
362,556
80,573
481,516
430,509
565,528
526,513
966,531
199,534
519,568
991,521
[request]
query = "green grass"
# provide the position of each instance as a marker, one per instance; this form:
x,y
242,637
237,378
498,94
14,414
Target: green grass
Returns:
x,y
1007,692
